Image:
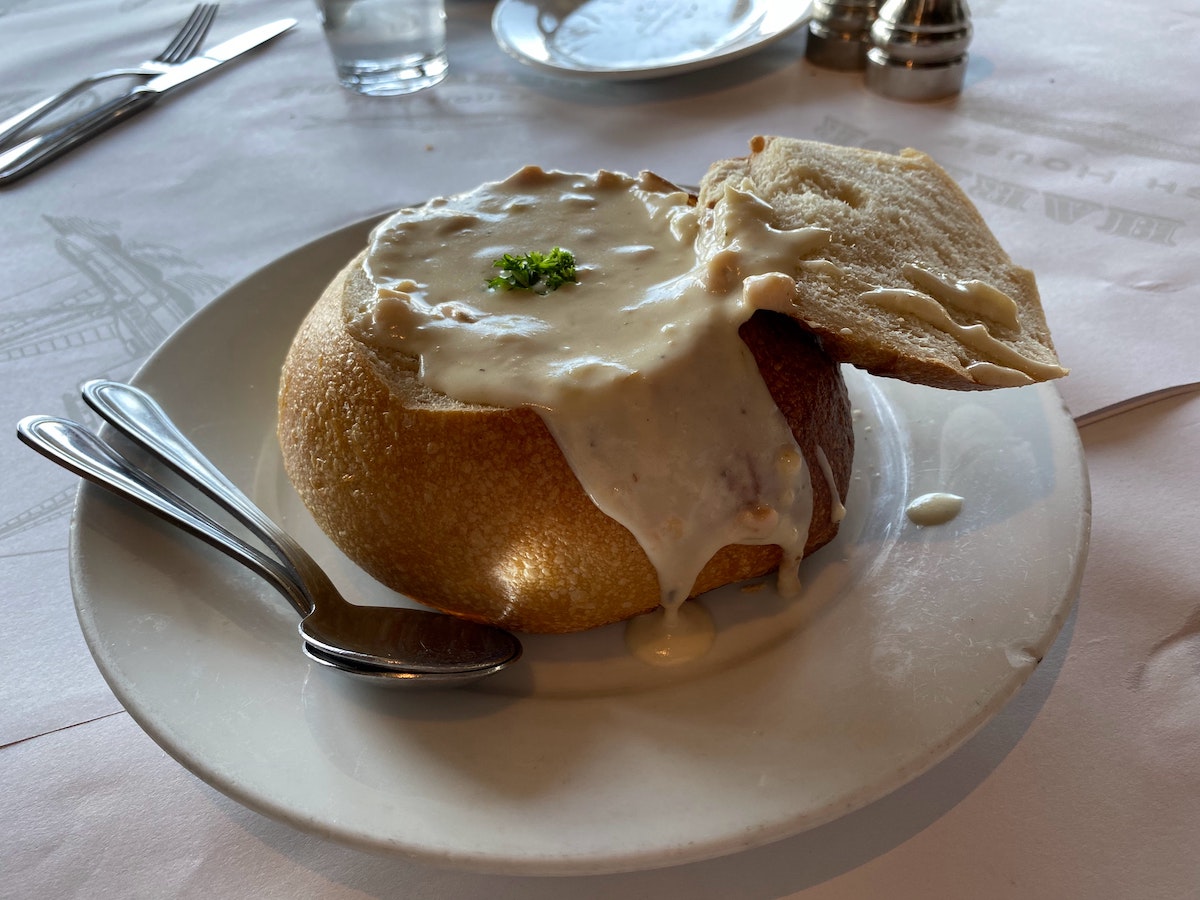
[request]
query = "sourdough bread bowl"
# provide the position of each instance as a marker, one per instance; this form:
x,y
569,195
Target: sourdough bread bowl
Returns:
x,y
472,508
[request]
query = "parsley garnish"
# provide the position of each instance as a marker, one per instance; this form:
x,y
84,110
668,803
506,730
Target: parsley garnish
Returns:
x,y
534,271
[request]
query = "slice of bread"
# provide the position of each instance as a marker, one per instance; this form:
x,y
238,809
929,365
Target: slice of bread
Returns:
x,y
887,213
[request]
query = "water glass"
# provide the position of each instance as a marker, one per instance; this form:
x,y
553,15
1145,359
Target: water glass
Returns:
x,y
386,47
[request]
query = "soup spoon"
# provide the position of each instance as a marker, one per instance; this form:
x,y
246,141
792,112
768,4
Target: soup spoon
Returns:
x,y
392,645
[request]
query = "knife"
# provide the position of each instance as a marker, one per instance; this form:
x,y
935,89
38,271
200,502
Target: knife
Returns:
x,y
34,153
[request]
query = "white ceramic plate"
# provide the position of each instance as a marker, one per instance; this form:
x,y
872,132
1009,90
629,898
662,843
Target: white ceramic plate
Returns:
x,y
579,759
617,39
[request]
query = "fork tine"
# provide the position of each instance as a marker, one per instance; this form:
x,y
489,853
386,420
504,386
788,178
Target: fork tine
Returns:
x,y
191,35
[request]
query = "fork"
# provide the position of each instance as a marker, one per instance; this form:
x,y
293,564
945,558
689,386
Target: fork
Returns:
x,y
182,47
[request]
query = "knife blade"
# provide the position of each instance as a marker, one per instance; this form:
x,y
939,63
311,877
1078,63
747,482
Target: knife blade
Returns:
x,y
31,155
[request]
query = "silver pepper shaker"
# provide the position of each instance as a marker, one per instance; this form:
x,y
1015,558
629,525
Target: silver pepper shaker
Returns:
x,y
839,33
919,49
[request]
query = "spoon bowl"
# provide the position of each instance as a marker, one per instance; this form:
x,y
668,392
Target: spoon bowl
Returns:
x,y
395,677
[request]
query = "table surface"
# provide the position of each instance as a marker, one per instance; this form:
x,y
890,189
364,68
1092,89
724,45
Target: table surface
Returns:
x,y
1076,138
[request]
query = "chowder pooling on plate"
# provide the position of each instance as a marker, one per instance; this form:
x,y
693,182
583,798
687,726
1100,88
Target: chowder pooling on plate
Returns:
x,y
936,508
636,367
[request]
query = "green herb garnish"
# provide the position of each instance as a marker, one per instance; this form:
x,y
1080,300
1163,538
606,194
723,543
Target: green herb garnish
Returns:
x,y
540,272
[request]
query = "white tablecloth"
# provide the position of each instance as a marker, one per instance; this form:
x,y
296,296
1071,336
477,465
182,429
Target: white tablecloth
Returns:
x,y
1076,135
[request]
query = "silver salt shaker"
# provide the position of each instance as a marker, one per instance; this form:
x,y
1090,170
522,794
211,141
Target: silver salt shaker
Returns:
x,y
839,33
919,49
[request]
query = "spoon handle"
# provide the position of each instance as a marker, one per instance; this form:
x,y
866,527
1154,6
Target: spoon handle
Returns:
x,y
80,451
139,417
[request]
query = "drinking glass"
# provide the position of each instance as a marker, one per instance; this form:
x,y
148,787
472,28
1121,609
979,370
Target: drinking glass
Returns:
x,y
386,47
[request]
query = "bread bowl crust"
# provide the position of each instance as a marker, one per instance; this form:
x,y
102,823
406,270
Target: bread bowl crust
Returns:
x,y
473,510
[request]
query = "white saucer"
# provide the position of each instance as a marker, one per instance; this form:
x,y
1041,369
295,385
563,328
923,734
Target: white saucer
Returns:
x,y
580,760
618,39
